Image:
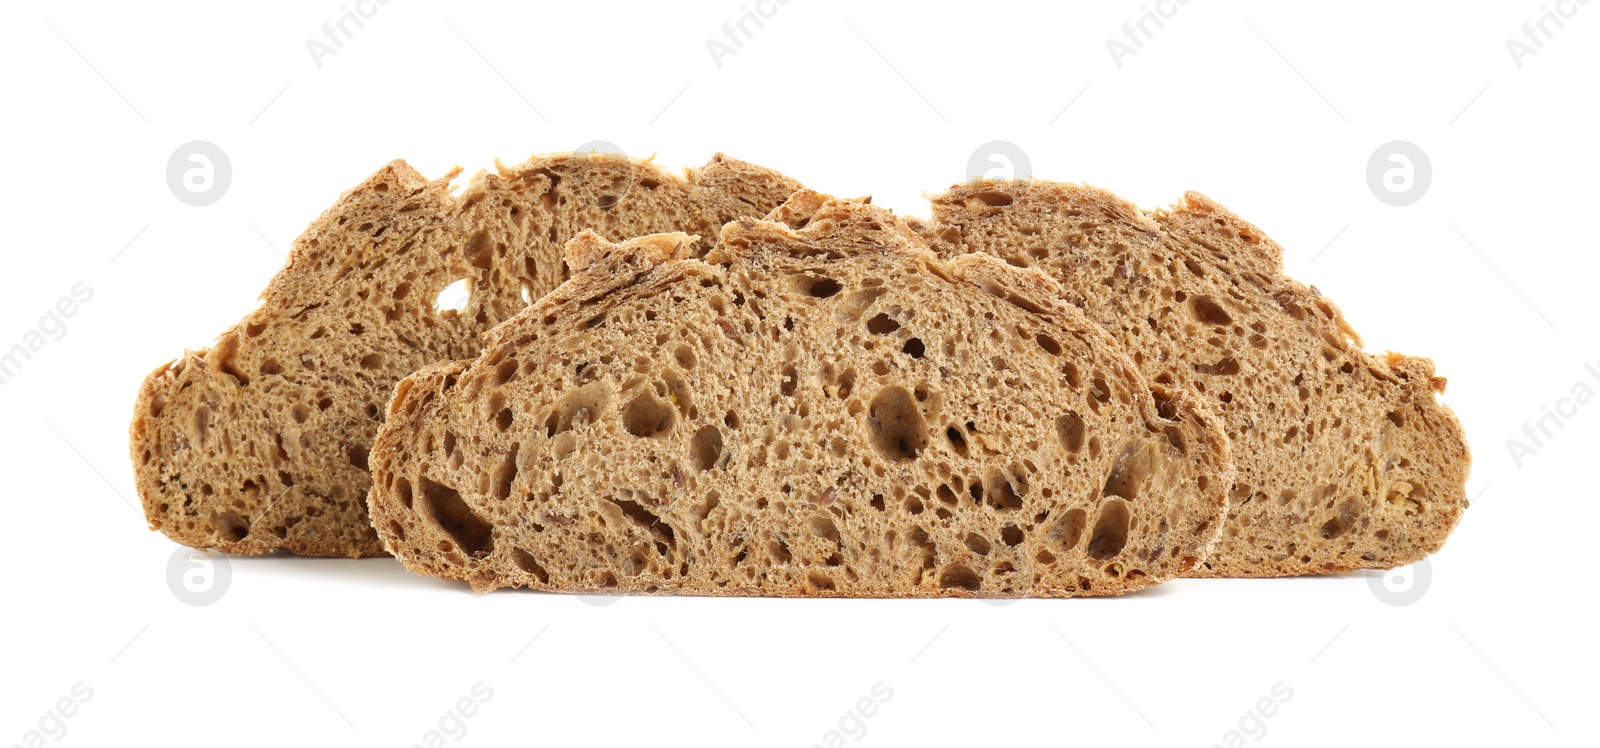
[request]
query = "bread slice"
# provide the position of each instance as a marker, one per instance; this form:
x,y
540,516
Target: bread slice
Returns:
x,y
829,411
260,443
1345,460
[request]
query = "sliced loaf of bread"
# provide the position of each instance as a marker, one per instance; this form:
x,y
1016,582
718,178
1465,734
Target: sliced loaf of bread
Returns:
x,y
261,442
817,409
1345,460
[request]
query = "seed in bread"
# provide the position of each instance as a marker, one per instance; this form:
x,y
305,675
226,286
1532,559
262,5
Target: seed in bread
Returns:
x,y
261,442
828,411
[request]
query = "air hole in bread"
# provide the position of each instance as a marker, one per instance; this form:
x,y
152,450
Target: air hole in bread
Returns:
x,y
897,429
1176,440
1131,473
978,544
1101,392
506,474
528,563
647,520
372,361
1070,370
882,324
824,528
1209,311
1110,530
1227,367
989,198
444,506
816,286
647,416
790,382
1000,493
1069,429
957,576
480,250
607,202
452,299
685,357
856,303
913,348
578,408
847,383
779,550
1048,344
706,447
1341,524
505,371
957,441
230,526
357,455
1011,535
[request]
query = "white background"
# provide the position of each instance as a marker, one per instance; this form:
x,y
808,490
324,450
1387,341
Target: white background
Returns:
x,y
1272,109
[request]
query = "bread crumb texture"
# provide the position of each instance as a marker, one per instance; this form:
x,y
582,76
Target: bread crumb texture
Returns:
x,y
818,407
1345,460
261,443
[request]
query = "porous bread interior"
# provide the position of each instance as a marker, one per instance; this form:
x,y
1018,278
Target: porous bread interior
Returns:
x,y
1345,460
261,442
825,412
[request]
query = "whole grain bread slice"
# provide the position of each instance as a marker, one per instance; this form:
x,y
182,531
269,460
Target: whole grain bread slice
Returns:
x,y
1345,460
261,442
821,410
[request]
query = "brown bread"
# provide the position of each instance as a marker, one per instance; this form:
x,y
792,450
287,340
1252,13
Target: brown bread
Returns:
x,y
1345,460
820,409
260,443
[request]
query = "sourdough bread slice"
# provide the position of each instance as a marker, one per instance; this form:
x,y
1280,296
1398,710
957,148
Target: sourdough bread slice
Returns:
x,y
829,411
260,443
1345,460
